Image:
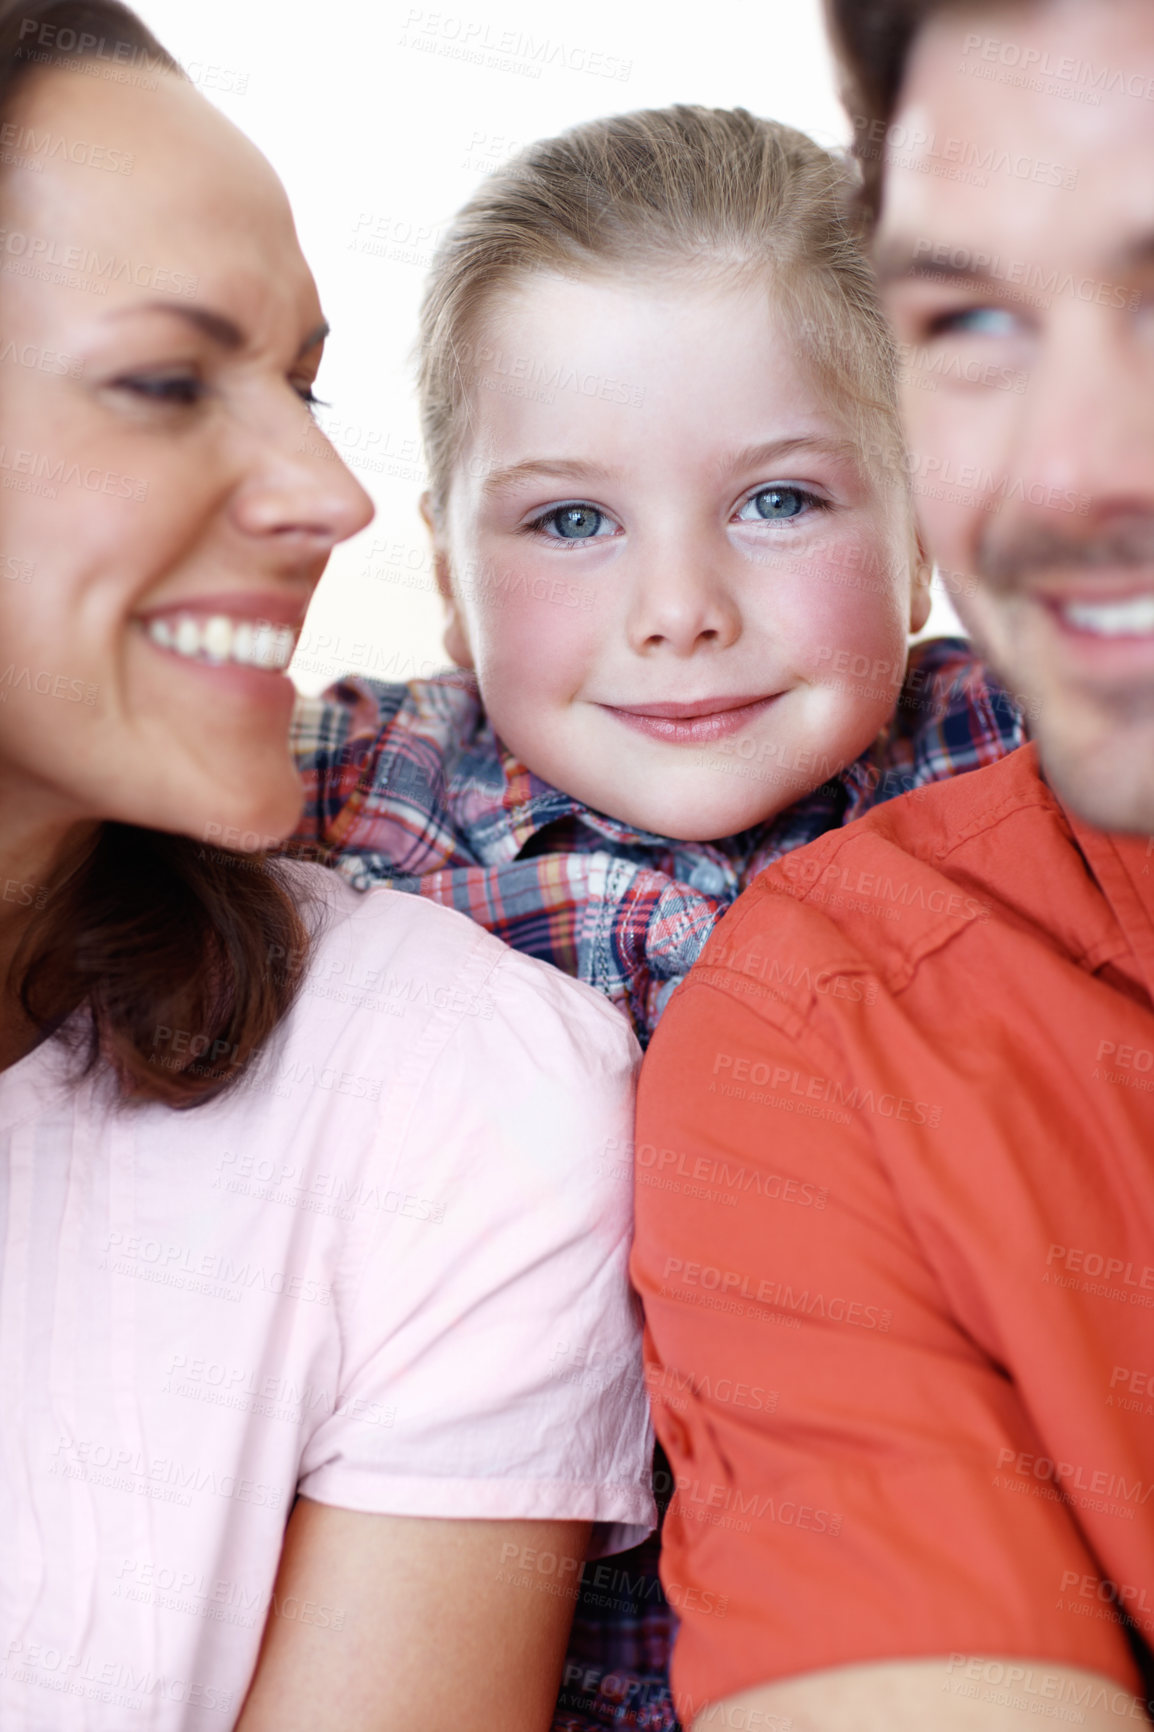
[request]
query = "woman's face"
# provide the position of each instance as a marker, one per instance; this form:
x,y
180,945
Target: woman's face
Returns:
x,y
168,504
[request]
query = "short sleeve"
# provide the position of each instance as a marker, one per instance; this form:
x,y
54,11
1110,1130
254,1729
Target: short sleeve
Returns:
x,y
836,1434
491,1344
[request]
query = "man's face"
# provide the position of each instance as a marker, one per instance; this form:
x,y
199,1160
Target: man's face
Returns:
x,y
1016,252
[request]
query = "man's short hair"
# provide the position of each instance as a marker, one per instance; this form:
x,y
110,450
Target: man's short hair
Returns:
x,y
871,40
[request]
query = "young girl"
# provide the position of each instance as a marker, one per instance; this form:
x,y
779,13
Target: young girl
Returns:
x,y
673,532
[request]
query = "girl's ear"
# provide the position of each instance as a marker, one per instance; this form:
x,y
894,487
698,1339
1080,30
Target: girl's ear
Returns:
x,y
456,638
921,600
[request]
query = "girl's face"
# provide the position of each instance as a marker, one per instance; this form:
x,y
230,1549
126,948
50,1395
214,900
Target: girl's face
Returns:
x,y
168,504
685,596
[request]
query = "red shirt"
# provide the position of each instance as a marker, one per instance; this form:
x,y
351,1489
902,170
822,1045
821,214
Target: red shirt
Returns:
x,y
895,1242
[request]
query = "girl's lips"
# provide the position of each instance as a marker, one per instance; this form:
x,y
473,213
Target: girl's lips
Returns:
x,y
692,724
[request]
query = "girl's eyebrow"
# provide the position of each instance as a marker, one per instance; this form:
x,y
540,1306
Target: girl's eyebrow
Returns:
x,y
559,468
749,457
773,451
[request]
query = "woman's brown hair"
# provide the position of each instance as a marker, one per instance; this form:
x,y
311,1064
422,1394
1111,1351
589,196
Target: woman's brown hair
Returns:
x,y
165,959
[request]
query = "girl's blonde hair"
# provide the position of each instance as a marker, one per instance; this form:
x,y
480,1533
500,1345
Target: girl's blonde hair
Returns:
x,y
707,191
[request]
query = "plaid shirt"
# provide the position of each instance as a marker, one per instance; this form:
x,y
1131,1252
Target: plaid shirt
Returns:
x,y
408,786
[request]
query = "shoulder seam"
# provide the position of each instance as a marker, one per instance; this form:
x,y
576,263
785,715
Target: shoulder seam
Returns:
x,y
1012,805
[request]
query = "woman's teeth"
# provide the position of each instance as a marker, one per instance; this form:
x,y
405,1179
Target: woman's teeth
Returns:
x,y
1133,617
251,643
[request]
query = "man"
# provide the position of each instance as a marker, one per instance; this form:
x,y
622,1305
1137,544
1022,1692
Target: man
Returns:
x,y
896,1134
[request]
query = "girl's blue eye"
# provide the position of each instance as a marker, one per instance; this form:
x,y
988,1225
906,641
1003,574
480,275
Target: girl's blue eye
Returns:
x,y
575,522
776,504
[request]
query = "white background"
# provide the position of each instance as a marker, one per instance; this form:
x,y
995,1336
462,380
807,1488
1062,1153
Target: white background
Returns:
x,y
380,128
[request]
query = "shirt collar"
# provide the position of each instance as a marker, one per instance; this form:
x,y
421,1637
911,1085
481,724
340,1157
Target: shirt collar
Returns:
x,y
1124,869
507,807
529,804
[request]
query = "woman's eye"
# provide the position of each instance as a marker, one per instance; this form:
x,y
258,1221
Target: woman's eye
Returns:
x,y
182,389
974,322
776,504
186,390
573,523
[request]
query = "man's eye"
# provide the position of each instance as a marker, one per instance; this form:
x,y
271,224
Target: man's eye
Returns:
x,y
974,322
182,389
777,504
573,523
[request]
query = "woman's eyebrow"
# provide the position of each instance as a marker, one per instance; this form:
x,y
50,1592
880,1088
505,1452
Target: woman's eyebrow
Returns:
x,y
217,326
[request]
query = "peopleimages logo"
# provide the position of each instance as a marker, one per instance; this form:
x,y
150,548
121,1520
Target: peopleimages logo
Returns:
x,y
62,39
39,471
955,158
1032,65
1019,273
484,44
49,252
24,144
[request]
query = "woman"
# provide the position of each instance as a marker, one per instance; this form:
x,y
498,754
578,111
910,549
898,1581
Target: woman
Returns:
x,y
318,1357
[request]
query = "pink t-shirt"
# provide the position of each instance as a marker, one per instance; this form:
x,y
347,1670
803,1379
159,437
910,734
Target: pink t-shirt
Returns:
x,y
388,1271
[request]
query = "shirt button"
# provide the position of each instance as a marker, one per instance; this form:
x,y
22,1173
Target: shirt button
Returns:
x,y
706,876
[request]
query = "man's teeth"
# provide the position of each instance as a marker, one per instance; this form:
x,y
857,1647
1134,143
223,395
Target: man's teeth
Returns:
x,y
1133,617
217,639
